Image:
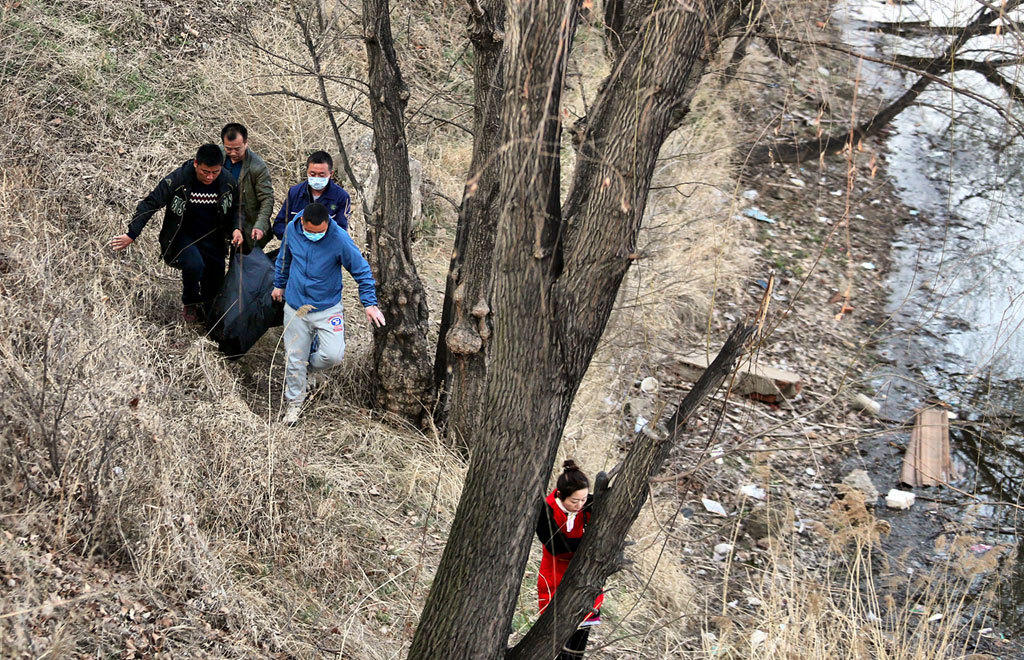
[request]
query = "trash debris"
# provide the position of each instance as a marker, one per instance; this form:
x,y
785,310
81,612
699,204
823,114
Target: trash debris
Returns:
x,y
757,638
649,385
810,472
749,194
758,214
799,183
935,617
763,383
641,422
859,480
860,401
723,549
927,461
980,548
867,265
713,507
762,284
753,492
899,499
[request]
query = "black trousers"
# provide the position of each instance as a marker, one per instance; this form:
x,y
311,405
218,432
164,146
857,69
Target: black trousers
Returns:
x,y
577,644
202,270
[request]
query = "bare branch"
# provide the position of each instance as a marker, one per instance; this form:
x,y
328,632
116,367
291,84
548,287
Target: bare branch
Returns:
x,y
333,108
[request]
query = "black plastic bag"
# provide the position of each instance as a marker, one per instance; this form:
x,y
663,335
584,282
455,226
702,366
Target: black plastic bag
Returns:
x,y
244,310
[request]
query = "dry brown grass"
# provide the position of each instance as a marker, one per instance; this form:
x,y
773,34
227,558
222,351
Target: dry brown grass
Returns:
x,y
176,517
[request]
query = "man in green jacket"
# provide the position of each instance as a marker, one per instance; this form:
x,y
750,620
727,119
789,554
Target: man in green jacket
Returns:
x,y
255,189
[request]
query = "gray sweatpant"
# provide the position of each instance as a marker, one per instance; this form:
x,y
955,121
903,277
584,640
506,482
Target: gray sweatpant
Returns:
x,y
329,327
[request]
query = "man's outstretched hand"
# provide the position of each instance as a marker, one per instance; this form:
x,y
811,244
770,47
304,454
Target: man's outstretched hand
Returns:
x,y
118,243
375,317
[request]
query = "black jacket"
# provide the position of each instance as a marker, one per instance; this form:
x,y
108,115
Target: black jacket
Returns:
x,y
173,194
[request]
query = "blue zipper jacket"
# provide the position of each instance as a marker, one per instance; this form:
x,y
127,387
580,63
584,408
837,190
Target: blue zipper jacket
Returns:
x,y
310,271
334,197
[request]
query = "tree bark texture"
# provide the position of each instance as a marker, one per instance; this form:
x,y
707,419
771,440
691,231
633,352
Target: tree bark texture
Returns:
x,y
402,368
460,362
616,509
469,609
555,275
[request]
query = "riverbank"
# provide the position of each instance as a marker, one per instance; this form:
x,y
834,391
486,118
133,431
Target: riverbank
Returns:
x,y
847,573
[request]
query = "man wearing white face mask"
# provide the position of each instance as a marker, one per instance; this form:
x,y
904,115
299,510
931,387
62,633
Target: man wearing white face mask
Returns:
x,y
308,279
318,187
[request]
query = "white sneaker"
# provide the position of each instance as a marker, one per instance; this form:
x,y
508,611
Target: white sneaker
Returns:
x,y
291,414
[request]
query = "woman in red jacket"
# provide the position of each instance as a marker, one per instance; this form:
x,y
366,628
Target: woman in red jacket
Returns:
x,y
560,529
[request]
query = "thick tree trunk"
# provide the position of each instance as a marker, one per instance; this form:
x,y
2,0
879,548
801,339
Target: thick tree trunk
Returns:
x,y
402,376
615,511
469,610
553,287
460,363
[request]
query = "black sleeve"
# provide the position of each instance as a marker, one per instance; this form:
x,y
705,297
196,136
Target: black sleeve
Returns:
x,y
152,203
551,536
233,220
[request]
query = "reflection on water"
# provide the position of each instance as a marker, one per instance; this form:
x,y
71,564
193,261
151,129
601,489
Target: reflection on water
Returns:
x,y
957,281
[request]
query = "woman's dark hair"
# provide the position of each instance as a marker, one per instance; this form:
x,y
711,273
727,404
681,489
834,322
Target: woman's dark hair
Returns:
x,y
571,480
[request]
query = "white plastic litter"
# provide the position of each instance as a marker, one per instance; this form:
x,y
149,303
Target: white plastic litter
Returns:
x,y
723,549
649,385
752,491
713,506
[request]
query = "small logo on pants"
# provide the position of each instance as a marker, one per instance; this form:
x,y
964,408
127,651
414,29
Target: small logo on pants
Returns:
x,y
337,323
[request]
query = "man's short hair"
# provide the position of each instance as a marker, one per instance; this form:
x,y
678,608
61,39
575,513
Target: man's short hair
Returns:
x,y
232,131
320,157
209,155
315,214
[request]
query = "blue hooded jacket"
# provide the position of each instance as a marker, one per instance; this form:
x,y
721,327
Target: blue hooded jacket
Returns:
x,y
310,271
334,197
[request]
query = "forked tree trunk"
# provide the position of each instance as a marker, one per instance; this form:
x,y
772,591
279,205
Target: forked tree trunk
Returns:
x,y
460,363
402,368
556,273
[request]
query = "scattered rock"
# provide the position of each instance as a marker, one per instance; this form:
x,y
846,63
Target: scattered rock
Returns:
x,y
899,499
860,481
723,550
649,385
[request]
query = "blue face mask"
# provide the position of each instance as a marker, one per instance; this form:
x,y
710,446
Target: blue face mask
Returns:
x,y
314,237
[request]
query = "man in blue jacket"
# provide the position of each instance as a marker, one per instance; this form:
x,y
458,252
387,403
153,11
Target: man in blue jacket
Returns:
x,y
318,187
308,279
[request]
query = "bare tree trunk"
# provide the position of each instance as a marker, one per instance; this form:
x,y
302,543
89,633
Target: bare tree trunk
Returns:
x,y
469,609
460,363
555,277
402,376
616,509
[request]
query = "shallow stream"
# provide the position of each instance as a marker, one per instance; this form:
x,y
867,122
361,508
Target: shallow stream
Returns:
x,y
956,333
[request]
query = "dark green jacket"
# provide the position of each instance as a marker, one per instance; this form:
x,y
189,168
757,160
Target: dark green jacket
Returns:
x,y
172,193
256,194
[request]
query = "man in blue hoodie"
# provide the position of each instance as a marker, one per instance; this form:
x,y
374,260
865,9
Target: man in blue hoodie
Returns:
x,y
318,187
307,278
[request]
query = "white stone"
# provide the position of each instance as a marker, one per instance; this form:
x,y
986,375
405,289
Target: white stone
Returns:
x,y
899,499
723,549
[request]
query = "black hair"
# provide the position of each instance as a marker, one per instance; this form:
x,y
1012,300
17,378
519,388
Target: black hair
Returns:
x,y
571,480
320,157
315,214
209,155
232,131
